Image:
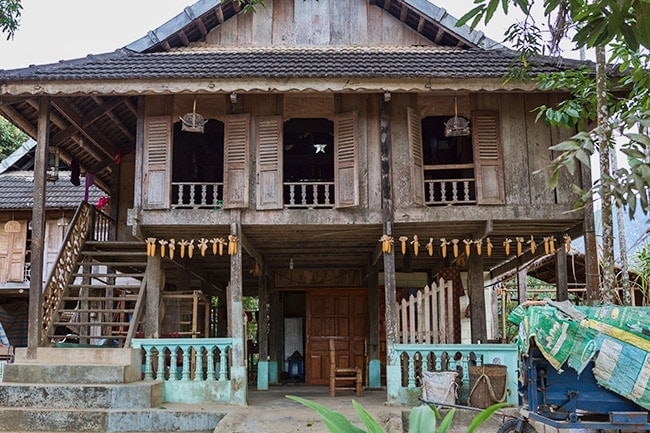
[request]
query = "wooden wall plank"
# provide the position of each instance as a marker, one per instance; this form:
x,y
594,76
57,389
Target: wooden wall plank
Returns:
x,y
312,22
539,155
340,22
564,191
282,31
262,24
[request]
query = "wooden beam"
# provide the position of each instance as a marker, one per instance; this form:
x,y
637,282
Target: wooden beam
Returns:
x,y
35,312
18,120
90,132
485,230
403,12
219,13
516,262
561,274
183,37
522,286
109,113
201,26
439,34
252,251
421,23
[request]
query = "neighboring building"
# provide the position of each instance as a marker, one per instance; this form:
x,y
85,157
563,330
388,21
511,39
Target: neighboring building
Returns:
x,y
308,131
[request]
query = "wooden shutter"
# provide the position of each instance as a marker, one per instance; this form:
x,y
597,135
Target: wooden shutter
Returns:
x,y
346,166
414,120
12,254
269,162
236,161
488,158
157,162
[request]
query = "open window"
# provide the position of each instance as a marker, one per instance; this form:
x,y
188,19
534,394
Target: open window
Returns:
x,y
461,169
197,167
308,163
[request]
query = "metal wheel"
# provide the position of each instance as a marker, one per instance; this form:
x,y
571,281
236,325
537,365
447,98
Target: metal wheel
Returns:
x,y
516,426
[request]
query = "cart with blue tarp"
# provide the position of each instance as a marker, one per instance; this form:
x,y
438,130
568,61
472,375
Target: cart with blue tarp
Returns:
x,y
583,367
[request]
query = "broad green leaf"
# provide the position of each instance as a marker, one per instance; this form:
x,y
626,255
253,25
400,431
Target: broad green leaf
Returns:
x,y
334,421
583,157
445,425
371,424
639,138
422,419
565,145
484,415
472,14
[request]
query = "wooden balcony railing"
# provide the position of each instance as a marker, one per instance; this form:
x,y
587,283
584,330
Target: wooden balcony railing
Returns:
x,y
308,195
197,195
450,184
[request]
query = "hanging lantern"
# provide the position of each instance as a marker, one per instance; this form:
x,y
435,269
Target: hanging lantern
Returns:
x,y
193,122
456,126
52,174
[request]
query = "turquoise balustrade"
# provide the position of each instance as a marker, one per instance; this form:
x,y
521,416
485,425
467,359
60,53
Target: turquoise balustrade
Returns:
x,y
194,370
409,359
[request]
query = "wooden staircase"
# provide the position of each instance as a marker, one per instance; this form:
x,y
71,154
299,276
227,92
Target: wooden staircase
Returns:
x,y
99,303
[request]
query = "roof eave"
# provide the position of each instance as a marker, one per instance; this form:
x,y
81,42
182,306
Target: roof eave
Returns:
x,y
166,86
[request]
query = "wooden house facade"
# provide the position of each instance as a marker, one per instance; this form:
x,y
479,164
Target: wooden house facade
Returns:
x,y
312,153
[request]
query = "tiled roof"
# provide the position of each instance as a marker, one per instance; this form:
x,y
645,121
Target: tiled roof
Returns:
x,y
285,62
18,191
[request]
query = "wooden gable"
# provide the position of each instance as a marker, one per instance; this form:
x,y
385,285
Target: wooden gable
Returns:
x,y
311,22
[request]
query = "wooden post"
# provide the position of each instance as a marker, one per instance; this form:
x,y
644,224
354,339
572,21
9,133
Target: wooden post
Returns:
x,y
592,274
276,336
139,167
152,300
374,364
263,335
562,293
393,367
476,298
522,286
239,374
38,229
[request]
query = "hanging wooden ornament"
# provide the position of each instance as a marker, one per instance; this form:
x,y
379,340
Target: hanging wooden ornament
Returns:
x,y
567,243
488,247
151,246
479,246
183,243
443,246
162,243
416,245
455,246
403,240
172,248
506,245
533,245
468,246
520,246
429,246
203,246
386,243
232,244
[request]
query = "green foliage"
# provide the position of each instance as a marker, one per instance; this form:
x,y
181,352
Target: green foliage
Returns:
x,y
10,11
641,265
10,138
422,419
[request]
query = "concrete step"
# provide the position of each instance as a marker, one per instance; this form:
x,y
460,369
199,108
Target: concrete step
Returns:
x,y
161,419
85,374
137,395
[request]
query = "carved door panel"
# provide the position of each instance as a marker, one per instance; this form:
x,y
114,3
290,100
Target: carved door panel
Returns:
x,y
338,314
12,253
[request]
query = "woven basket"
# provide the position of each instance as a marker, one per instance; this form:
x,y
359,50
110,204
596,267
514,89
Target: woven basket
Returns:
x,y
487,385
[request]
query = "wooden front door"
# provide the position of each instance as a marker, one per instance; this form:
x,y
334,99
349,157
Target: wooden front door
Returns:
x,y
339,314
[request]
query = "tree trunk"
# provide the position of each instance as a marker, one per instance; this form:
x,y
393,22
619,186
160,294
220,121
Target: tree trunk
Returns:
x,y
608,289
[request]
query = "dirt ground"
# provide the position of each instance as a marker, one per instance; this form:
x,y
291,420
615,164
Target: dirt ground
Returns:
x,y
271,412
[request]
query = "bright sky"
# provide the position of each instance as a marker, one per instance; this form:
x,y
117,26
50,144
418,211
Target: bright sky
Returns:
x,y
68,29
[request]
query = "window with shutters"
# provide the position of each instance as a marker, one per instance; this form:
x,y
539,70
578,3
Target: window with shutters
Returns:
x,y
308,163
461,169
198,167
449,174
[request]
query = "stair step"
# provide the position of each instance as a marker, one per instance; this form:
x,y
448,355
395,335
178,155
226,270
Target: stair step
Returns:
x,y
137,395
108,275
96,253
161,419
66,373
78,323
100,286
96,310
101,298
118,264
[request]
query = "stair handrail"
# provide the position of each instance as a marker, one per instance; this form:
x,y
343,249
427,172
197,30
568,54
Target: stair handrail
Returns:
x,y
137,311
65,266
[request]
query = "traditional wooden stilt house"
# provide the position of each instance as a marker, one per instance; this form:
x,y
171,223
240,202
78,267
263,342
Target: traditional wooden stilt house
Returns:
x,y
329,157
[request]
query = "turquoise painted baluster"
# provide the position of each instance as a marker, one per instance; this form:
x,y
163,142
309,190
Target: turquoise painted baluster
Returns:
x,y
223,363
173,354
161,363
425,362
148,368
411,364
198,362
185,376
210,355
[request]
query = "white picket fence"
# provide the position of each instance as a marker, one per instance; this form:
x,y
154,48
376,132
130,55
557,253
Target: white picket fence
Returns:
x,y
428,316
